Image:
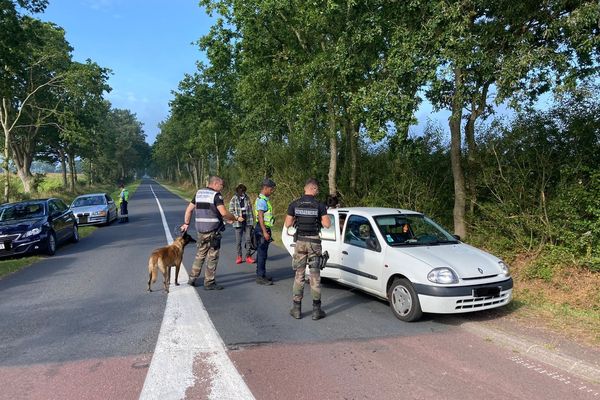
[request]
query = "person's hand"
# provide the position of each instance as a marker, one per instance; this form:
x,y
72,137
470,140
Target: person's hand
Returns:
x,y
267,236
240,219
184,227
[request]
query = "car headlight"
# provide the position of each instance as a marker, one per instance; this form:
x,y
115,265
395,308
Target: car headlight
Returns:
x,y
32,232
504,268
442,275
99,213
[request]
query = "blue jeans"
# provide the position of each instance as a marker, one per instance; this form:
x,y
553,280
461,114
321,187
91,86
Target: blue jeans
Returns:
x,y
261,252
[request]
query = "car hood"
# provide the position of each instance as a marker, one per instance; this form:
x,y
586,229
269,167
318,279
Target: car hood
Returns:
x,y
8,227
87,209
465,260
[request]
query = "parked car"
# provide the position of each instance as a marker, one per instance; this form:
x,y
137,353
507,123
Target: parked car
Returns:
x,y
96,208
35,226
405,257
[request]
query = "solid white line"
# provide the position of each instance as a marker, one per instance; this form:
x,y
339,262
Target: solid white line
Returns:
x,y
187,335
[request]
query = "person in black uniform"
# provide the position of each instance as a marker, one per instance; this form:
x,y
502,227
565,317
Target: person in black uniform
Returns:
x,y
308,216
209,214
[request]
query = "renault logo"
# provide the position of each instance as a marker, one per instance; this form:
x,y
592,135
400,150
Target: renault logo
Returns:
x,y
480,270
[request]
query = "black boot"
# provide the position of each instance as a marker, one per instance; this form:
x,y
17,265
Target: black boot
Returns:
x,y
296,310
192,281
317,312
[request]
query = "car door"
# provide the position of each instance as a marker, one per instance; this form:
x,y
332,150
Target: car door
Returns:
x,y
112,208
57,223
330,243
330,239
362,257
63,221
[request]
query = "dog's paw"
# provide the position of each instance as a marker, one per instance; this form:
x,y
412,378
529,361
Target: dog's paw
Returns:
x,y
176,284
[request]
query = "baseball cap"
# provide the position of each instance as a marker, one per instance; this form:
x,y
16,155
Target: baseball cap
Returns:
x,y
268,182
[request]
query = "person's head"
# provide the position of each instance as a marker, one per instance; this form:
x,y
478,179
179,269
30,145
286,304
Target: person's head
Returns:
x,y
121,186
364,231
240,189
311,187
215,183
267,187
405,228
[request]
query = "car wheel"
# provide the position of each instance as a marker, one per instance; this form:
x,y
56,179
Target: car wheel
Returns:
x,y
51,244
404,301
75,236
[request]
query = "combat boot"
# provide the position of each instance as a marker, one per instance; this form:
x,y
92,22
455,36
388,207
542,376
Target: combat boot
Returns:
x,y
192,281
296,310
317,312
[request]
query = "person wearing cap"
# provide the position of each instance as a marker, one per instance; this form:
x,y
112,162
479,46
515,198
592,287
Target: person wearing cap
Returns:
x,y
210,212
263,213
240,207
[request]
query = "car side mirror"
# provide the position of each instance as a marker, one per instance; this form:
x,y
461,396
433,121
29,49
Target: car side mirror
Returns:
x,y
457,237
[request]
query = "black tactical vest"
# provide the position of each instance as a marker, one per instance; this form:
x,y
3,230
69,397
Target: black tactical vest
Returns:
x,y
306,213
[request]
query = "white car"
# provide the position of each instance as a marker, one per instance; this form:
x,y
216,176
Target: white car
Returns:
x,y
95,208
408,259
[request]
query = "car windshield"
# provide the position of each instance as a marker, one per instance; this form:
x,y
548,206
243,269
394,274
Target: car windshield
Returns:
x,y
22,211
88,201
412,229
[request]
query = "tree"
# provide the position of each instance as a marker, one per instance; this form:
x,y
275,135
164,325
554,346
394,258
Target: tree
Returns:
x,y
29,102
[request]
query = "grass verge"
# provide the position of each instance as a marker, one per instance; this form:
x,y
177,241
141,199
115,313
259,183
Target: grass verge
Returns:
x,y
11,265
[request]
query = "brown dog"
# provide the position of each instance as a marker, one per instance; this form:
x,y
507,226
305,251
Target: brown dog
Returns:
x,y
165,258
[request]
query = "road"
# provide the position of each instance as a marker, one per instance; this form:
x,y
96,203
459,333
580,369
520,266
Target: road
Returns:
x,y
80,325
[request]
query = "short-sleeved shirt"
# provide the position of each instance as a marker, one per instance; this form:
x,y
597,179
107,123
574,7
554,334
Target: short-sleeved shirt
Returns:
x,y
261,205
306,198
218,199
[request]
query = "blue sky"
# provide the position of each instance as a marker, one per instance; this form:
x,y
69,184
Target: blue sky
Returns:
x,y
146,43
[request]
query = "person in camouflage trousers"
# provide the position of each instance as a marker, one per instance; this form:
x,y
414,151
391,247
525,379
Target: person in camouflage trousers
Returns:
x,y
210,213
308,216
302,253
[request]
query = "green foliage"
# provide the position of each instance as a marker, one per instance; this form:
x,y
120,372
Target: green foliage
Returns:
x,y
329,89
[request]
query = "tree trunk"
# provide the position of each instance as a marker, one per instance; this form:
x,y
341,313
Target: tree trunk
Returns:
x,y
5,165
63,167
22,160
460,227
7,131
26,179
332,149
471,162
478,106
354,156
71,159
91,182
217,169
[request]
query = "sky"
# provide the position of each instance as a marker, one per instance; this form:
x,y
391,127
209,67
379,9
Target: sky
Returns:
x,y
148,45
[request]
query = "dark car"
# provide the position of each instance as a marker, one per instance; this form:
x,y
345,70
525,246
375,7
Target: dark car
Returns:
x,y
34,226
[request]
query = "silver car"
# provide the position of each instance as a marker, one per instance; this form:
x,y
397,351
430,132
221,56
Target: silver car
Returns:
x,y
96,208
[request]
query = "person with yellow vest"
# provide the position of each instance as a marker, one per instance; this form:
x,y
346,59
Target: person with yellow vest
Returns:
x,y
263,213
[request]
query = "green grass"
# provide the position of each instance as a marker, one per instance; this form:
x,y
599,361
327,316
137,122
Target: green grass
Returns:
x,y
53,185
13,265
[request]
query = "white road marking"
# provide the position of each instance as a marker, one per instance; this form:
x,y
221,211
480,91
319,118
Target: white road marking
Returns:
x,y
187,334
554,375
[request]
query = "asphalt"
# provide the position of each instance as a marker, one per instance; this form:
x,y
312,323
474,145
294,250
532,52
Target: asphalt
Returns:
x,y
81,325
